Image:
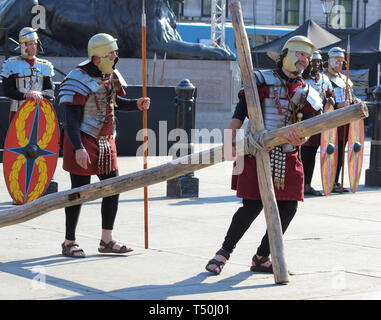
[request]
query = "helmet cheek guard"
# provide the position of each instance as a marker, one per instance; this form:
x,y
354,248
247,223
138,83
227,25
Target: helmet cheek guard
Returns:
x,y
100,45
333,54
25,35
293,45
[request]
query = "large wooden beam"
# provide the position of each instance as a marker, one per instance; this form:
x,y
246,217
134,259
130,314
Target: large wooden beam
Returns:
x,y
314,125
265,182
173,169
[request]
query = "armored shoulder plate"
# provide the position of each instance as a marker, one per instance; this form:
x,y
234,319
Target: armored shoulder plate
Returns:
x,y
77,81
45,67
119,76
339,81
344,77
9,67
267,77
327,85
18,66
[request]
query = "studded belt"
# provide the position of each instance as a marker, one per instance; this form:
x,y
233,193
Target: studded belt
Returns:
x,y
105,157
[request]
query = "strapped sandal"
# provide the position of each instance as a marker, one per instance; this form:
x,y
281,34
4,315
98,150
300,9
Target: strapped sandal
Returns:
x,y
337,188
312,192
67,251
258,267
220,264
109,248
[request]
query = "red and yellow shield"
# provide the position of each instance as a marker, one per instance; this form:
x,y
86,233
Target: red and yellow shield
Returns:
x,y
355,152
328,155
31,151
328,159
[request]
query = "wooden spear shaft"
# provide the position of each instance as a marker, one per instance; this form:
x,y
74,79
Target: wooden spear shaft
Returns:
x,y
145,135
162,69
265,182
154,70
171,170
346,126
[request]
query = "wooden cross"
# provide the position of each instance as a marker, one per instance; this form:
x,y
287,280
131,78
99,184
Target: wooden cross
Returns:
x,y
274,227
194,162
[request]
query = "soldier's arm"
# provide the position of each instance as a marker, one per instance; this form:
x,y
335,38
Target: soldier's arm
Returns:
x,y
73,114
132,104
48,89
10,89
125,104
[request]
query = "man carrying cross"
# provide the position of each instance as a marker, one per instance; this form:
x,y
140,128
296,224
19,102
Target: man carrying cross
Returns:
x,y
284,97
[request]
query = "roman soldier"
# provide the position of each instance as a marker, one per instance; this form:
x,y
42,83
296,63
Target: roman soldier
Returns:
x,y
284,97
89,95
336,62
27,76
315,77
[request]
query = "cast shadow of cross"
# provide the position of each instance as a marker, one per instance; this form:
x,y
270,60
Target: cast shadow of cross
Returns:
x,y
191,286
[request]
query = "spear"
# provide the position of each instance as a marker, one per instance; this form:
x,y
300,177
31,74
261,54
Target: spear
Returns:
x,y
162,69
154,69
346,126
347,70
145,137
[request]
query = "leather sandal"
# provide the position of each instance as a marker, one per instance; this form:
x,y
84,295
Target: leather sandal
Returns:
x,y
67,251
219,264
312,192
337,188
258,265
109,248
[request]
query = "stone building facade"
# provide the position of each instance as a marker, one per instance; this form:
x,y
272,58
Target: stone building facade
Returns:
x,y
358,13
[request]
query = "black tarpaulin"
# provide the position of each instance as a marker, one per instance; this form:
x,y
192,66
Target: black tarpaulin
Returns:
x,y
365,47
310,29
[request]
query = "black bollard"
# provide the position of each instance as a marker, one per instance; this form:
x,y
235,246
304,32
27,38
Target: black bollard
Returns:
x,y
185,186
373,174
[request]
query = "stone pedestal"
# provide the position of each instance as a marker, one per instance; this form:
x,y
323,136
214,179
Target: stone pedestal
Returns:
x,y
183,187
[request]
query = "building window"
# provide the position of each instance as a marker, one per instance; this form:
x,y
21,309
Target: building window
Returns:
x,y
278,12
177,7
287,12
341,14
291,12
206,10
348,6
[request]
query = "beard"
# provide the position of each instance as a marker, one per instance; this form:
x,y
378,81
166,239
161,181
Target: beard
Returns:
x,y
299,68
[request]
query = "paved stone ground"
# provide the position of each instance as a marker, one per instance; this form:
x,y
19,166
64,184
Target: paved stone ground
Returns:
x,y
333,247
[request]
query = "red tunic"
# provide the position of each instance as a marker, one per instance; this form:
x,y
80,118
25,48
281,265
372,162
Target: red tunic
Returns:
x,y
313,141
90,143
92,148
246,183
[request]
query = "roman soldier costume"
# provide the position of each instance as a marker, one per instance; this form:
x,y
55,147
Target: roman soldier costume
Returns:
x,y
284,99
321,83
339,82
21,74
89,95
97,90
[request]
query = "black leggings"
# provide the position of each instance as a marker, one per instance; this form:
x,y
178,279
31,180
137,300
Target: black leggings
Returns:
x,y
244,217
308,155
108,210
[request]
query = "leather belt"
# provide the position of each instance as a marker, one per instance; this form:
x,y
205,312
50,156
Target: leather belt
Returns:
x,y
105,157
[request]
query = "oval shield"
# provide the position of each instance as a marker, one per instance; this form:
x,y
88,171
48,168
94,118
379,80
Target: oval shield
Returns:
x,y
31,151
355,152
328,159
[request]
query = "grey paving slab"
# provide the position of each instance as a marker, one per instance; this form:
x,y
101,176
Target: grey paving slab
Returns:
x,y
333,247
